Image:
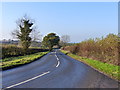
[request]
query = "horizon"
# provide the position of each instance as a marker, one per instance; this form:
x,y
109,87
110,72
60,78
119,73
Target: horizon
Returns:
x,y
76,19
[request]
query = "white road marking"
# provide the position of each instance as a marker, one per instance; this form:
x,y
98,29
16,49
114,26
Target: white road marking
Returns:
x,y
58,64
57,60
56,56
28,80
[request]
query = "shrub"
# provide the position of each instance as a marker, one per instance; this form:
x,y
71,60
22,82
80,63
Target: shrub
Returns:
x,y
104,49
14,50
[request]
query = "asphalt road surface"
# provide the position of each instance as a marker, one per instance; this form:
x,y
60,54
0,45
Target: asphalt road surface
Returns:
x,y
56,70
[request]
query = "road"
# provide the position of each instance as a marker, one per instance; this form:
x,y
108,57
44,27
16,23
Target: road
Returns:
x,y
56,70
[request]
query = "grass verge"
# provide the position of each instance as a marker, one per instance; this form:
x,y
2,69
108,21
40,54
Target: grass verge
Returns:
x,y
108,69
12,62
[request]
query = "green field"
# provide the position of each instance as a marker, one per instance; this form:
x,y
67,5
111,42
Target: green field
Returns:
x,y
20,60
108,69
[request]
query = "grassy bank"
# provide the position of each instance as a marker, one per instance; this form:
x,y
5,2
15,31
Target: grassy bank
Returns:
x,y
12,62
108,69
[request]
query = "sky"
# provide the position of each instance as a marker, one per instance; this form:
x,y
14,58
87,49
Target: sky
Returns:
x,y
79,20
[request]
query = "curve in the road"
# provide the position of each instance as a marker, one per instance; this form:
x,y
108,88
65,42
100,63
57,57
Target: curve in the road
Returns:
x,y
58,63
56,70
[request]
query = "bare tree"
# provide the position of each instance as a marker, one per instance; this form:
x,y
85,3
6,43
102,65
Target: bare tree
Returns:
x,y
36,38
64,40
36,35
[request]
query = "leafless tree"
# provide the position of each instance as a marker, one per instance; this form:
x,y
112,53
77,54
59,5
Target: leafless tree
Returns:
x,y
64,40
36,35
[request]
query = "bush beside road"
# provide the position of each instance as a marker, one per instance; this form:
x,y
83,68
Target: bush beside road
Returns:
x,y
12,62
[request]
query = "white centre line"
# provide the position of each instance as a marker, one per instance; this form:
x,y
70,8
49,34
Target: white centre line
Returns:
x,y
28,80
36,76
58,61
58,64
